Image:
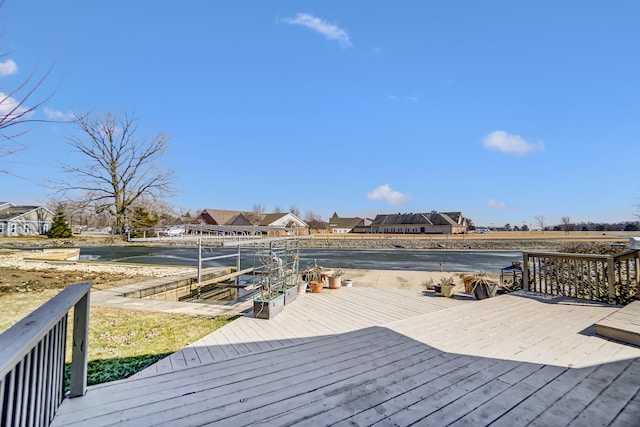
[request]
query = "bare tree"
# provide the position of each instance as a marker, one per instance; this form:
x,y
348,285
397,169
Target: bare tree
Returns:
x,y
566,224
278,209
15,111
311,216
258,208
540,222
294,210
119,169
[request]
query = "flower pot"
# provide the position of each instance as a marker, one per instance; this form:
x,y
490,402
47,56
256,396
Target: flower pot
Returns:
x,y
302,288
335,282
347,283
447,290
437,289
316,287
324,276
485,290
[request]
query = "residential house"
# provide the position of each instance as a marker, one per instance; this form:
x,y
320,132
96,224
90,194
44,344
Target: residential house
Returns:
x,y
226,217
420,223
340,225
24,220
238,218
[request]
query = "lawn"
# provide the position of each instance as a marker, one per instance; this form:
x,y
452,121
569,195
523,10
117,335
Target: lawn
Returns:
x,y
121,341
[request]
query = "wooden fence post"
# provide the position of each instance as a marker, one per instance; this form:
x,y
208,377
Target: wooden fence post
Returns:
x,y
525,271
79,350
611,278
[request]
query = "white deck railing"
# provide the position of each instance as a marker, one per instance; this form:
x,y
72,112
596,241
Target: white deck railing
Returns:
x,y
607,278
32,357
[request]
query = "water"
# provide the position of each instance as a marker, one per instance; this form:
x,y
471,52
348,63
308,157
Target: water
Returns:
x,y
379,259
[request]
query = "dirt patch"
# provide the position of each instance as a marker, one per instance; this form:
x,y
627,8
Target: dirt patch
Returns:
x,y
13,280
22,291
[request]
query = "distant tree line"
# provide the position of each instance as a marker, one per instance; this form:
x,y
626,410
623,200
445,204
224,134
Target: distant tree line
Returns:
x,y
568,226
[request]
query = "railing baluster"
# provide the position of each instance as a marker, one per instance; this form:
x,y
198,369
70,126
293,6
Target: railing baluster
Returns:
x,y
48,413
607,278
32,357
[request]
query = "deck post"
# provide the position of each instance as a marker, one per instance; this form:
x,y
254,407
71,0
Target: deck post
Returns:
x,y
199,260
611,278
79,351
525,271
637,279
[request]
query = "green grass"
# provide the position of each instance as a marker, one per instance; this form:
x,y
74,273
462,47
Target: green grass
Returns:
x,y
123,342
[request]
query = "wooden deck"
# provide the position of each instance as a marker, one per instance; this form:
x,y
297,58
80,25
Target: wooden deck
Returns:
x,y
363,356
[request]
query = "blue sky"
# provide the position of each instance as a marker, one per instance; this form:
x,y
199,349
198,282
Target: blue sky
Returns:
x,y
502,110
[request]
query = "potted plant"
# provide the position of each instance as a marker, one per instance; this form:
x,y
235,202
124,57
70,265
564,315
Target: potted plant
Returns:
x,y
446,286
313,276
429,284
479,284
482,286
347,282
335,280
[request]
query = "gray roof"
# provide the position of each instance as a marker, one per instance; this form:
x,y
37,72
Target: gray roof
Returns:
x,y
13,212
347,223
430,218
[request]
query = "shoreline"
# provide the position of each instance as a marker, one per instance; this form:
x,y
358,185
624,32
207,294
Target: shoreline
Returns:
x,y
495,241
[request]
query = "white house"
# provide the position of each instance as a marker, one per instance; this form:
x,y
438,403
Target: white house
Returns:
x,y
24,220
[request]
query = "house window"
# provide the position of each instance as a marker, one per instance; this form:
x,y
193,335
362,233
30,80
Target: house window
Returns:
x,y
26,228
1,228
45,228
13,228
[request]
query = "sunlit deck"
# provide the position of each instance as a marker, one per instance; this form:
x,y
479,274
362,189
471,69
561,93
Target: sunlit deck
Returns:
x,y
361,356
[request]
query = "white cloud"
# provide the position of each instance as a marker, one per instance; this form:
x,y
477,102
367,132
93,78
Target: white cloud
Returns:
x,y
403,98
10,106
57,115
384,192
330,31
511,144
495,204
8,67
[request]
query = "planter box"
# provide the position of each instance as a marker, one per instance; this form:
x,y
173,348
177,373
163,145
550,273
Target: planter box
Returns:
x,y
268,309
290,294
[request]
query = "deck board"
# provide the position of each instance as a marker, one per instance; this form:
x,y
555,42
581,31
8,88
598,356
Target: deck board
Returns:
x,y
329,359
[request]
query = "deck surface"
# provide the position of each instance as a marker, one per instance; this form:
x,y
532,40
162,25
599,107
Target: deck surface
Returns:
x,y
364,356
622,325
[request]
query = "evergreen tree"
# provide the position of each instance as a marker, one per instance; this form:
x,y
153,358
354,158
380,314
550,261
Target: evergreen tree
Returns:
x,y
142,218
60,227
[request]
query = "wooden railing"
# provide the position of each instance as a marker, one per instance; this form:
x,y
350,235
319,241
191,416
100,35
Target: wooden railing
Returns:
x,y
32,358
607,278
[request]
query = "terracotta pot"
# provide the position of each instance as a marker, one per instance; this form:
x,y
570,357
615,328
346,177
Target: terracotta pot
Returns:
x,y
335,282
316,287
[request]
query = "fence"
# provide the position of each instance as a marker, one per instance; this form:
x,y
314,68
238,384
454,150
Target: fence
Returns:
x,y
607,278
32,357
